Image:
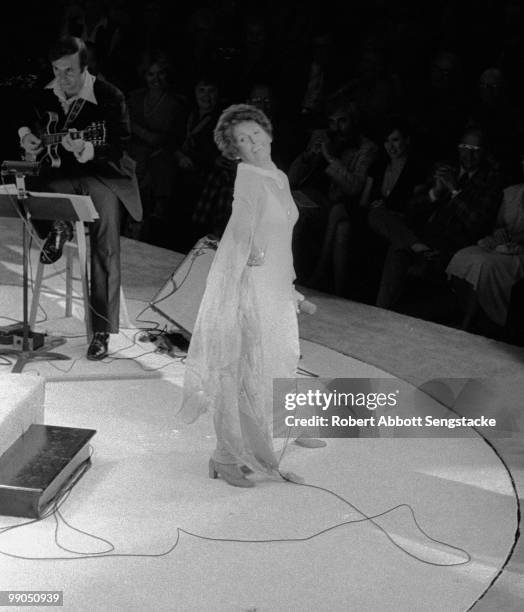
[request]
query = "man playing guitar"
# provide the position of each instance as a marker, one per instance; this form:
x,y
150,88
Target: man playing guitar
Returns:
x,y
98,166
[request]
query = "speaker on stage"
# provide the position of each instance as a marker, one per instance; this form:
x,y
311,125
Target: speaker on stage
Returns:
x,y
179,298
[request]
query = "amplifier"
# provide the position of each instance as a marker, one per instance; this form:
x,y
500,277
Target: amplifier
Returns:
x,y
179,299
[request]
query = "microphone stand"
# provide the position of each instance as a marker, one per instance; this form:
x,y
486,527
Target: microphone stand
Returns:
x,y
26,353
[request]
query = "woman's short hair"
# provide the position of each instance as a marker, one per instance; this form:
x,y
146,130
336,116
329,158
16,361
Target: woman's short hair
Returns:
x,y
69,45
233,115
396,123
149,58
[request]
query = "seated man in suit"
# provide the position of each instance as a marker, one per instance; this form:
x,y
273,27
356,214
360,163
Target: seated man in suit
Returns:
x,y
100,169
458,210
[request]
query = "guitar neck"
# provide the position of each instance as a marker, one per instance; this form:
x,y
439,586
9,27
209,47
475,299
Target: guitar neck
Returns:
x,y
56,138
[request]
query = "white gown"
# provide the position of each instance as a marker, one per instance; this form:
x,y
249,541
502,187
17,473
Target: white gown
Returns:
x,y
246,332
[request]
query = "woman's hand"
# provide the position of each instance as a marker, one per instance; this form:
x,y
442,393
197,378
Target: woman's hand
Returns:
x,y
499,237
303,305
298,299
509,248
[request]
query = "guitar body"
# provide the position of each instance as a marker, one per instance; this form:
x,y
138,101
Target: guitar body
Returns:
x,y
51,150
51,139
50,154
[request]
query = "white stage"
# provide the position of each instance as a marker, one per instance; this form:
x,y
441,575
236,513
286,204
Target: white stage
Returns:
x,y
149,479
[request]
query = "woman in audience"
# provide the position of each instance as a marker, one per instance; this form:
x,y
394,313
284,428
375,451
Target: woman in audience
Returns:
x,y
398,172
484,275
195,157
393,180
157,120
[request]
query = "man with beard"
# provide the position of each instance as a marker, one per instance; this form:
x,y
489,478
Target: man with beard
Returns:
x,y
332,170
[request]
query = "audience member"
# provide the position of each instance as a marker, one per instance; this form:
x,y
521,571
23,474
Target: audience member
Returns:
x,y
491,268
392,179
455,212
331,172
396,174
151,29
439,107
371,88
213,208
498,118
157,128
195,157
286,145
322,76
197,50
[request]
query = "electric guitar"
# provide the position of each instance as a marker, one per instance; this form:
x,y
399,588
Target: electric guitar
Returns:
x,y
95,132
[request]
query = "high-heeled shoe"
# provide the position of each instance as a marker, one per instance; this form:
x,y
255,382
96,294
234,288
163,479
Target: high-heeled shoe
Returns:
x,y
231,473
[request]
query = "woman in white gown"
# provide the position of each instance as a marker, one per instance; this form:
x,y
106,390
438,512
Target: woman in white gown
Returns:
x,y
246,333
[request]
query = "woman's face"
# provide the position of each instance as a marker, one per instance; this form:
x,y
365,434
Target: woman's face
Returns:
x,y
253,143
396,144
206,96
156,77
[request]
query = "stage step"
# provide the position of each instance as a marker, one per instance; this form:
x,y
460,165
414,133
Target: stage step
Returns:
x,y
21,405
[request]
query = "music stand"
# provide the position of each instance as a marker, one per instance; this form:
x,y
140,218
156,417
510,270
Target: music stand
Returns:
x,y
15,201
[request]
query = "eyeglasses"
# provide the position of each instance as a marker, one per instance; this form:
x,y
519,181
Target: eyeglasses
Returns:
x,y
468,147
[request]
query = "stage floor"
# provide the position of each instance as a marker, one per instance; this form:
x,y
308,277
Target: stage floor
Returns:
x,y
148,478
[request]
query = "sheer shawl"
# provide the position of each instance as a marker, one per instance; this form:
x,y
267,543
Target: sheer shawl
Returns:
x,y
224,365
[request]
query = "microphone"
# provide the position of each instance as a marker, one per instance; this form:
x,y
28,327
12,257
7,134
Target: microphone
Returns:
x,y
307,307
